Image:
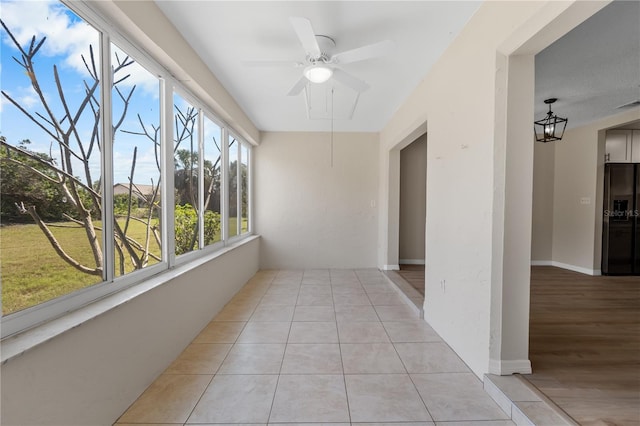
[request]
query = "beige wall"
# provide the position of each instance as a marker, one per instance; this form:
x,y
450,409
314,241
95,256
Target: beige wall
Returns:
x,y
90,374
413,201
312,214
543,183
579,174
458,99
479,178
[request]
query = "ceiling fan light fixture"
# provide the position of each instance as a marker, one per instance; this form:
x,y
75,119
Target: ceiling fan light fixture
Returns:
x,y
318,73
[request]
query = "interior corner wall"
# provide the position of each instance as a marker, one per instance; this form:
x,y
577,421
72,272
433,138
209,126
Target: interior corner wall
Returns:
x,y
413,201
312,213
457,99
577,200
90,374
542,221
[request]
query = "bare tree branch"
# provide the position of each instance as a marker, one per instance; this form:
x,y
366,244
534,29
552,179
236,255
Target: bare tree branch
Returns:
x,y
133,169
31,211
50,165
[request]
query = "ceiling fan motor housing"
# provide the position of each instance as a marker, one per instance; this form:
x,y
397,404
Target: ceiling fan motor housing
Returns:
x,y
326,45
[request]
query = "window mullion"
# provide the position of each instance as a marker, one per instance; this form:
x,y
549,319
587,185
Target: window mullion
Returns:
x,y
107,159
167,173
224,185
201,180
250,190
239,189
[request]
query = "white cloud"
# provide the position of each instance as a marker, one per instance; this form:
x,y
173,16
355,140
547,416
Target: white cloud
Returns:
x,y
26,96
3,102
146,169
67,37
30,98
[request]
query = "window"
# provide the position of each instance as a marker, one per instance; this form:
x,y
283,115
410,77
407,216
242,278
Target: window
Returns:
x,y
244,188
233,150
186,171
50,155
238,191
212,178
135,101
85,172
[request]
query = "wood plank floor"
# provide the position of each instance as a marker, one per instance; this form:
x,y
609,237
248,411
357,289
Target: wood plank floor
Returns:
x,y
414,275
585,344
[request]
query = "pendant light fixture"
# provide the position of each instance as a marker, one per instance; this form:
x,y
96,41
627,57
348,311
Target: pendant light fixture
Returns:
x,y
550,128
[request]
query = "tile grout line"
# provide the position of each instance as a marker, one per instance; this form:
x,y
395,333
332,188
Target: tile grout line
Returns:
x,y
286,345
408,374
344,376
222,362
225,358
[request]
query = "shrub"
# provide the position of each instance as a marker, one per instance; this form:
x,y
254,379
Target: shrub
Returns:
x,y
186,228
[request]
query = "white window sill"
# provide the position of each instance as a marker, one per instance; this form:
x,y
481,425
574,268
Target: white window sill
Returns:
x,y
14,346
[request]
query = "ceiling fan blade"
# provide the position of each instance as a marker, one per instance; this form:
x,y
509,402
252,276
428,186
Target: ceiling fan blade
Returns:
x,y
349,80
365,52
306,35
279,64
297,88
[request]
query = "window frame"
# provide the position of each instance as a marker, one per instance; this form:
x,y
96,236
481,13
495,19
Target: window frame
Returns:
x,y
242,143
247,147
189,98
209,116
17,322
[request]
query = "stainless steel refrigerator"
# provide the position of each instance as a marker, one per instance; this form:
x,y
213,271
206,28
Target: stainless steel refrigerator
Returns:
x,y
621,227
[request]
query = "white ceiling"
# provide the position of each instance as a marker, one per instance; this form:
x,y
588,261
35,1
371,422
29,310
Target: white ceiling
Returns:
x,y
227,33
594,68
591,70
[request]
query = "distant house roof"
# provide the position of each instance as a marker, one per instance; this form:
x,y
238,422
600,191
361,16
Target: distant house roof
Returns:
x,y
139,190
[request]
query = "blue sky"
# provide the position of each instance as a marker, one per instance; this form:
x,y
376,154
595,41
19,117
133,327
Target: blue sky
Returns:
x,y
68,38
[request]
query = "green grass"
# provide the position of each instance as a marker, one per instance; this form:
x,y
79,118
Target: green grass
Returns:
x,y
32,272
233,226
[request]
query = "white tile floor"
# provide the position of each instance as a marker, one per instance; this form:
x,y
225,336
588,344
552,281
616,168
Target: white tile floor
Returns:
x,y
316,347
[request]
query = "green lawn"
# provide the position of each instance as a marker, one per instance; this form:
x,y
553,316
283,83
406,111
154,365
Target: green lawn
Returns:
x,y
33,273
233,226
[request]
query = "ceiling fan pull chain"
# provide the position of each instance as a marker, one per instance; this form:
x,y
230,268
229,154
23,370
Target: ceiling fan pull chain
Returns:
x,y
332,127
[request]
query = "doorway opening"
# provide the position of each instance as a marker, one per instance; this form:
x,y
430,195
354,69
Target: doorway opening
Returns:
x,y
583,326
413,213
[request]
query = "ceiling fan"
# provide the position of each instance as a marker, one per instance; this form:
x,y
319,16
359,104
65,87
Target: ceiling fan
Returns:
x,y
320,64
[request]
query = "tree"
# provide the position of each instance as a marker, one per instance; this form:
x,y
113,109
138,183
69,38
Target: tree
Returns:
x,y
20,184
75,151
242,177
70,175
186,175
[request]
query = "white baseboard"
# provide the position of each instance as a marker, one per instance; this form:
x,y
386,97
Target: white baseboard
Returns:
x,y
390,267
505,368
412,261
574,268
541,263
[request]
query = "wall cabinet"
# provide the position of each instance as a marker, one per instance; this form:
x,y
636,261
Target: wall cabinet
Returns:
x,y
622,146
